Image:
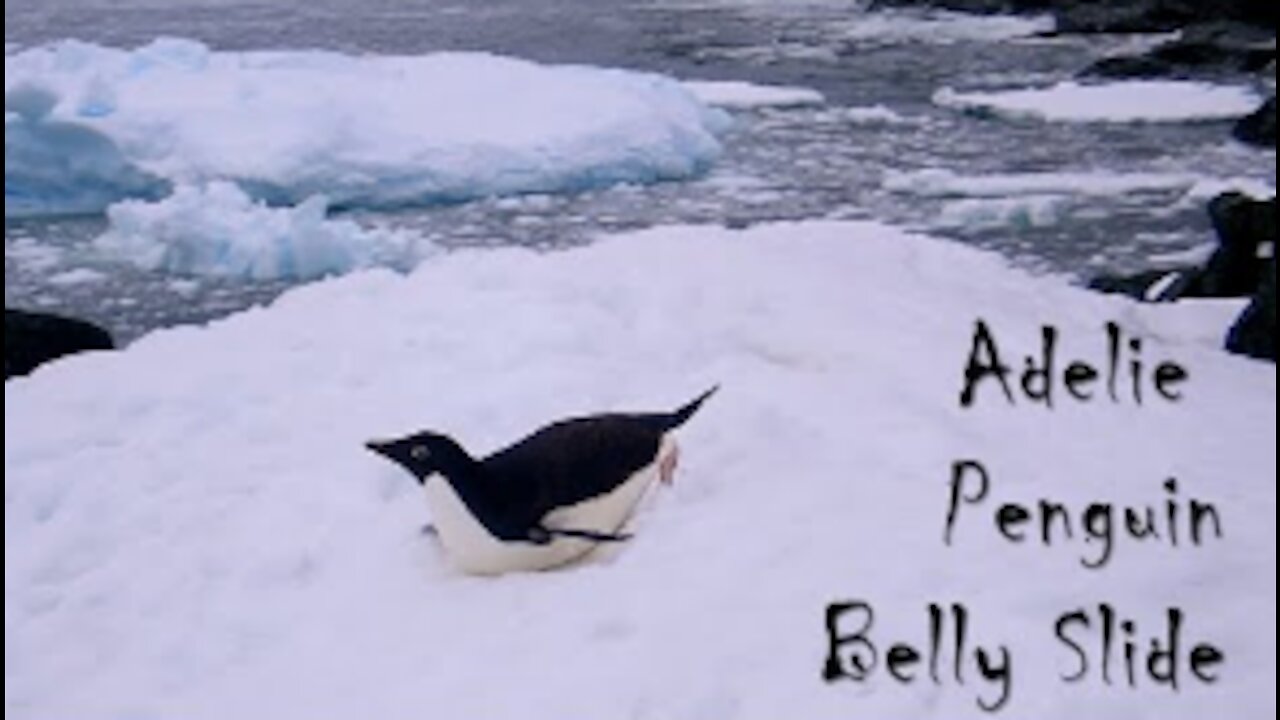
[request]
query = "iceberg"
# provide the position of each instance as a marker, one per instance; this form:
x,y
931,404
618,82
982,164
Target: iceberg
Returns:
x,y
86,126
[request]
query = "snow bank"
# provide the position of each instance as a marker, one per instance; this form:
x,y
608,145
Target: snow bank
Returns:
x,y
737,94
88,125
220,231
1122,102
193,529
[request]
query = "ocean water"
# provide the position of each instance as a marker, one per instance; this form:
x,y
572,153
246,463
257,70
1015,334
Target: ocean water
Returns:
x,y
1075,199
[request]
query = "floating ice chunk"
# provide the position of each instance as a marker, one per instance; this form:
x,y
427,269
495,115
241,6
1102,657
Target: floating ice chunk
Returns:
x,y
945,183
1210,188
78,276
940,27
871,115
369,131
218,230
1121,102
1023,212
33,254
734,94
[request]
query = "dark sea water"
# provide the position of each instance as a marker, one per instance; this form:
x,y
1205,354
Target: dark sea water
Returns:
x,y
779,164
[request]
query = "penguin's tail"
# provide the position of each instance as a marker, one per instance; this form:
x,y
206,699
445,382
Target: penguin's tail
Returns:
x,y
681,416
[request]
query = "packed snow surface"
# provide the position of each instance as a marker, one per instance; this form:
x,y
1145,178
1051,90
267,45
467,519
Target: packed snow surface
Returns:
x,y
1119,102
194,530
220,231
86,126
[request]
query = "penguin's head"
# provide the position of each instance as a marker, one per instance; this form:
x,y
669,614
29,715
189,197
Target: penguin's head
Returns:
x,y
425,454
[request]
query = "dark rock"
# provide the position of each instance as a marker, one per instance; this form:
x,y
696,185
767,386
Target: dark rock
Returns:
x,y
1236,269
1140,16
981,7
1101,16
1209,49
32,339
1254,334
1243,226
1116,16
1127,67
1259,128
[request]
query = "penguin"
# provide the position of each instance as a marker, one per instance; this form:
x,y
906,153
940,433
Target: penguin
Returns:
x,y
549,499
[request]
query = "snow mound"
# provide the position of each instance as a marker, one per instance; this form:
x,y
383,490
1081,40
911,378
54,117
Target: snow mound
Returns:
x,y
744,95
1122,102
87,126
194,530
218,230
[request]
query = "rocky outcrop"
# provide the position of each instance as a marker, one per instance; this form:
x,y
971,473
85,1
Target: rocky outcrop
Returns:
x,y
1254,334
1259,128
1244,265
1246,230
32,339
1205,50
1112,16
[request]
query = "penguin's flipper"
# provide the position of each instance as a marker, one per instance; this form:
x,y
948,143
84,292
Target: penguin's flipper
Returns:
x,y
540,535
592,536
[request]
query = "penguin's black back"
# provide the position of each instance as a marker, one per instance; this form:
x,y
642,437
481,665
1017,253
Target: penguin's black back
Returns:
x,y
573,461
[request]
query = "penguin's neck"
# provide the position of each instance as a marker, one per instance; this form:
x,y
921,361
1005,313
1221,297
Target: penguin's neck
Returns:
x,y
485,500
472,485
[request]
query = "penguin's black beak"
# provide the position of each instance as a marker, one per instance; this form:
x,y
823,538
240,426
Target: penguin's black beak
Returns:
x,y
401,453
391,450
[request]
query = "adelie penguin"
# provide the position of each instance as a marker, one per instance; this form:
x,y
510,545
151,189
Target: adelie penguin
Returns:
x,y
547,500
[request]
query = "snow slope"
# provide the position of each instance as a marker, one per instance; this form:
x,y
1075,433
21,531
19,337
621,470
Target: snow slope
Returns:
x,y
87,125
193,529
1118,102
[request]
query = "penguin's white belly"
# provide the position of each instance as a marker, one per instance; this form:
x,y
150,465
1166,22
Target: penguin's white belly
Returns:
x,y
472,549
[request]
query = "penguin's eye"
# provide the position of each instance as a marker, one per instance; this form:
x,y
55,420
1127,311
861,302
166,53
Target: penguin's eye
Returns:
x,y
419,452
